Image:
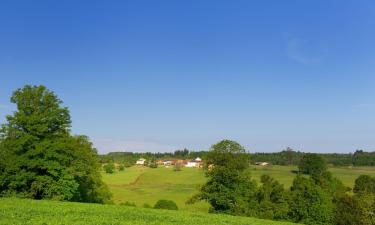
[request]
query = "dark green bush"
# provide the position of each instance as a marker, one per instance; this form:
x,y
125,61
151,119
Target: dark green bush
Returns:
x,y
109,168
166,204
128,204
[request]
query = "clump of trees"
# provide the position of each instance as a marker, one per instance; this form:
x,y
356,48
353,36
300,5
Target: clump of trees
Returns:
x,y
40,158
166,204
315,197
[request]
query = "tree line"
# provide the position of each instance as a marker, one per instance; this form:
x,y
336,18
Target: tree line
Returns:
x,y
285,157
291,157
129,158
315,197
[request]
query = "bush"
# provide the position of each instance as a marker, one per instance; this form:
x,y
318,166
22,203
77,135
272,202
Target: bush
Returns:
x,y
128,164
121,168
177,167
132,204
166,204
109,168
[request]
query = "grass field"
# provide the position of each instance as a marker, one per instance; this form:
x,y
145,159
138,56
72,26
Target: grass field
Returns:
x,y
144,185
32,212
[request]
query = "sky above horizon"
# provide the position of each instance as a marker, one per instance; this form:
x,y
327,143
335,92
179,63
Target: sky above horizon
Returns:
x,y
165,75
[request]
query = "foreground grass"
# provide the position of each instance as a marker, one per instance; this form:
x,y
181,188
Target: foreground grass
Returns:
x,y
143,185
31,212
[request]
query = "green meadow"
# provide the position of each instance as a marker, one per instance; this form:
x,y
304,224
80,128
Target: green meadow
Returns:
x,y
34,212
142,185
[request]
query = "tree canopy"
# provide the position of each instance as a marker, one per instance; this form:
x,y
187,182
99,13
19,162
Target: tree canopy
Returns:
x,y
42,160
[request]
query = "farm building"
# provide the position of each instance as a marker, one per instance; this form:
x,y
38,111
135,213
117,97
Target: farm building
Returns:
x,y
262,163
140,161
194,163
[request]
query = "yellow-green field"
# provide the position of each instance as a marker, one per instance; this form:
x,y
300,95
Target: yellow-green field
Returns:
x,y
33,212
144,185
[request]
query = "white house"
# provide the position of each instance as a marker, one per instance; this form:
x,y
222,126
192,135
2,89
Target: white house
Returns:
x,y
140,161
194,163
167,163
262,163
191,164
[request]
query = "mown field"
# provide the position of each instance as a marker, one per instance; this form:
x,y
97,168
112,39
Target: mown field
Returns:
x,y
142,185
32,212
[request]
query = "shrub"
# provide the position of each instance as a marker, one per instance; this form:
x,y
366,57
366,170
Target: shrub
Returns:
x,y
109,168
166,204
132,204
177,167
121,168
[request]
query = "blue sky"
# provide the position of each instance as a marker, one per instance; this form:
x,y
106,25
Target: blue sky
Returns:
x,y
163,75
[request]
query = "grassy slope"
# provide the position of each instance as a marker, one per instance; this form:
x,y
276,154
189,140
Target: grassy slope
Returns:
x,y
31,212
145,185
149,185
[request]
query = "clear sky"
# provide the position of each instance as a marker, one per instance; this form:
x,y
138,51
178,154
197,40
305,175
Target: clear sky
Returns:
x,y
163,75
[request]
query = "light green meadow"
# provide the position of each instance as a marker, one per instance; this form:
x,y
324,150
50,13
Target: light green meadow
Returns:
x,y
145,185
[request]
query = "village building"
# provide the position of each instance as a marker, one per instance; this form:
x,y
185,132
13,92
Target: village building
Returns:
x,y
140,161
194,163
262,163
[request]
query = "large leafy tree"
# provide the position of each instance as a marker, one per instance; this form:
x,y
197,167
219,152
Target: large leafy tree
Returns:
x,y
364,184
41,159
229,188
309,203
312,164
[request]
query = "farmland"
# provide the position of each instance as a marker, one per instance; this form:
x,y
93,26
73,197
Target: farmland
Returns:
x,y
143,185
32,212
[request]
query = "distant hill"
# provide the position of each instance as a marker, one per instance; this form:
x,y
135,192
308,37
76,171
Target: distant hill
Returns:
x,y
33,212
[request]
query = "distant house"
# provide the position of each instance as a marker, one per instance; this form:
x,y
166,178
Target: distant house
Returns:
x,y
194,163
262,163
167,163
140,161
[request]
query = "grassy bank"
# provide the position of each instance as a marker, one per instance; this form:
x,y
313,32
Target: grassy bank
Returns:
x,y
31,212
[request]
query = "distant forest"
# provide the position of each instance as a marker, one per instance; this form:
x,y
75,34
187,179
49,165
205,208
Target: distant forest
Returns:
x,y
285,157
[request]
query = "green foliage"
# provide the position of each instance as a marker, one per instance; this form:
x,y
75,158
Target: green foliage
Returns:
x,y
364,184
166,204
362,158
358,209
229,187
152,163
309,204
273,199
312,164
109,168
228,154
121,167
41,160
132,204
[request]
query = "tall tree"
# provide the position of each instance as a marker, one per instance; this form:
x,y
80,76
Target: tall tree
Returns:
x,y
42,159
229,188
312,164
309,204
